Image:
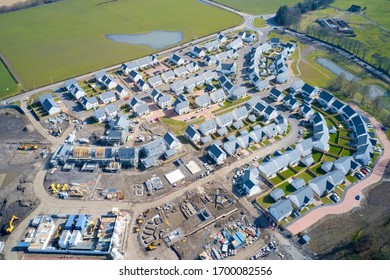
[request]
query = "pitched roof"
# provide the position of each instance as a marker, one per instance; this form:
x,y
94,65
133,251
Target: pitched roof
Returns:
x,y
281,209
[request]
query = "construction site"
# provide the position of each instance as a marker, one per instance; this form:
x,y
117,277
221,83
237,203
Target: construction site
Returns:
x,y
20,160
77,234
180,228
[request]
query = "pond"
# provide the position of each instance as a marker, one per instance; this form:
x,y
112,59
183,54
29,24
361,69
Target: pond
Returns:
x,y
156,39
335,69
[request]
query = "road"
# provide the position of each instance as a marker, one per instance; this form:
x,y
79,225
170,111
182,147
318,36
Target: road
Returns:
x,y
348,202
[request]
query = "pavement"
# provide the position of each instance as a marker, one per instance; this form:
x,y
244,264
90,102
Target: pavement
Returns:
x,y
348,202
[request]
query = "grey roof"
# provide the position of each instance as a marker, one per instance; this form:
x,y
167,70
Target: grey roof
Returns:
x,y
281,209
203,100
216,151
238,124
70,82
276,93
298,183
293,156
168,74
239,92
222,131
208,125
302,197
181,105
348,111
268,167
110,109
155,148
154,79
121,122
260,107
327,166
45,96
98,113
344,164
149,161
277,194
91,100
134,101
107,95
141,109
165,98
257,135
49,103
308,160
191,131
253,101
225,119
240,113
231,146
219,94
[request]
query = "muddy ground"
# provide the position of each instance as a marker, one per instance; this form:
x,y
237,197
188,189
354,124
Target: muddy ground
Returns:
x,y
16,190
361,234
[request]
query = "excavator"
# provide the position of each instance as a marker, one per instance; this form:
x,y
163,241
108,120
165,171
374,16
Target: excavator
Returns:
x,y
91,227
24,147
152,246
58,232
64,187
10,227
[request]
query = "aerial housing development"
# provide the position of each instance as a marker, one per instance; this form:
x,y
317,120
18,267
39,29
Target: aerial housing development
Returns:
x,y
218,148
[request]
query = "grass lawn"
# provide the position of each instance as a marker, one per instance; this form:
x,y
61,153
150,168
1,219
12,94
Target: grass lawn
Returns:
x,y
229,104
67,38
346,152
178,127
287,173
317,156
339,191
257,7
276,180
333,138
265,201
335,150
259,22
344,133
277,137
287,188
343,141
298,167
8,86
317,170
326,200
328,158
305,176
253,148
351,178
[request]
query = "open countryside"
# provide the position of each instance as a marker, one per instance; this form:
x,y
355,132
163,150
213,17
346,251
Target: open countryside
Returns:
x,y
257,7
66,39
8,85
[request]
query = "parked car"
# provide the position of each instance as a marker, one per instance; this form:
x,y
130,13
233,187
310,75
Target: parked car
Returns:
x,y
363,171
367,169
295,213
334,197
358,176
360,173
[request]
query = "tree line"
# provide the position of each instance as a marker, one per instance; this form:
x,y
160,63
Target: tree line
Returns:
x,y
375,105
288,16
25,5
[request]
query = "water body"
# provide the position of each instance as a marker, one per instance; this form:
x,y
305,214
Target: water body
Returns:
x,y
156,39
335,69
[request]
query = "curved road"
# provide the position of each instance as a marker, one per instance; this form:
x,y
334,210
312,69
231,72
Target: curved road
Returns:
x,y
348,202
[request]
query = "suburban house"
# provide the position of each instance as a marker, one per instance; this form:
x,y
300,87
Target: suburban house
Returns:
x,y
168,76
238,93
259,108
347,112
121,92
221,38
139,107
325,98
248,183
228,69
276,94
182,107
302,197
211,46
203,101
181,71
346,164
280,210
306,111
324,184
129,66
134,76
262,85
155,81
50,106
178,87
336,106
89,103
190,84
171,141
164,101
111,110
270,114
283,77
208,127
275,42
296,86
240,113
277,194
155,94
176,59
192,134
309,90
298,183
218,96
217,154
99,115
107,97
210,60
197,52
74,88
236,44
193,66
103,78
224,120
142,85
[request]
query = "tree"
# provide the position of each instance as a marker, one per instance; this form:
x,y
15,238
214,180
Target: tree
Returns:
x,y
377,104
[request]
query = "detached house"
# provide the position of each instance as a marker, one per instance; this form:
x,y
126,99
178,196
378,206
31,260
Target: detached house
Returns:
x,y
182,107
176,59
203,101
228,69
218,96
325,98
155,81
89,103
280,210
236,44
107,97
192,134
99,115
164,101
302,197
134,76
217,154
142,85
197,52
168,76
276,94
74,89
208,127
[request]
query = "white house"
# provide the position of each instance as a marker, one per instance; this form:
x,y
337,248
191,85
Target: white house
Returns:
x,y
107,97
176,59
99,115
197,52
142,85
217,154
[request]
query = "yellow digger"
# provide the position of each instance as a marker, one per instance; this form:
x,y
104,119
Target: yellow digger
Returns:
x,y
152,246
10,227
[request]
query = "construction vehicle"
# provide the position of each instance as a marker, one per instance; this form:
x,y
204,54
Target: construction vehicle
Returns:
x,y
10,227
91,227
137,229
58,232
54,189
34,147
145,214
140,221
64,187
152,246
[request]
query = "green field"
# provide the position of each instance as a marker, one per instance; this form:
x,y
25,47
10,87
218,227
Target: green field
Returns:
x,y
178,127
257,7
8,85
64,39
377,10
259,22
